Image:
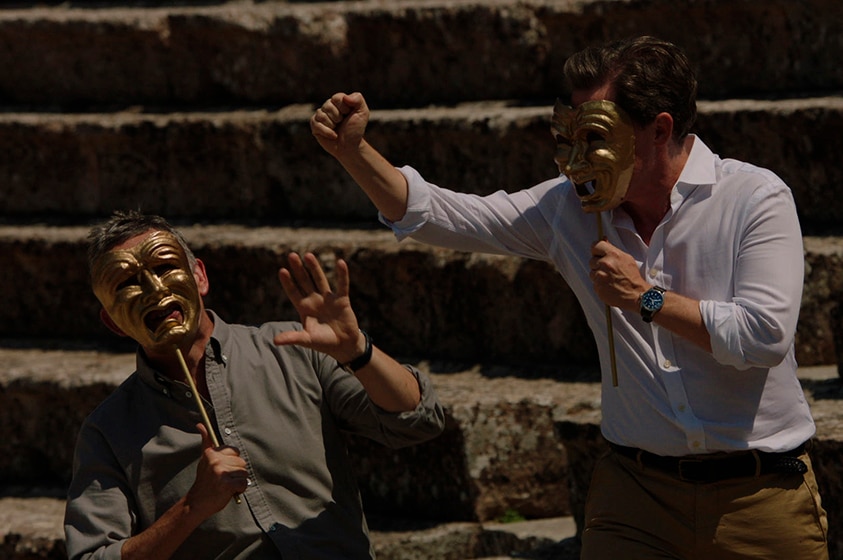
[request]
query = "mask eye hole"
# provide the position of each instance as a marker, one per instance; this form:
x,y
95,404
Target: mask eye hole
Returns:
x,y
129,282
562,141
594,137
163,269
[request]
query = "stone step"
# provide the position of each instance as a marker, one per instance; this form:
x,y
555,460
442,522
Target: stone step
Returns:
x,y
264,166
498,443
552,538
47,393
32,528
417,301
279,53
517,444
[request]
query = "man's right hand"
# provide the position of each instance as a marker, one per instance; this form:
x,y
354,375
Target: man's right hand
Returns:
x,y
220,475
340,123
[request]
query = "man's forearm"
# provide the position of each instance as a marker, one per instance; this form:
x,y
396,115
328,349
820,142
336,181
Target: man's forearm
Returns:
x,y
165,536
385,186
681,315
390,385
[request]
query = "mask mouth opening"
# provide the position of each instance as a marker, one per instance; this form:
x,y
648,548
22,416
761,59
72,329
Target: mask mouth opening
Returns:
x,y
586,189
170,313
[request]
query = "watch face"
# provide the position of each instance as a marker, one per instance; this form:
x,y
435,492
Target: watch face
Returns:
x,y
652,300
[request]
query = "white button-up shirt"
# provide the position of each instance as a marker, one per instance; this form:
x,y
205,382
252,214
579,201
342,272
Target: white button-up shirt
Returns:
x,y
731,240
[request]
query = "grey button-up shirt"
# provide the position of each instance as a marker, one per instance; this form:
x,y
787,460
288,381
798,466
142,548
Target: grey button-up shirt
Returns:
x,y
283,407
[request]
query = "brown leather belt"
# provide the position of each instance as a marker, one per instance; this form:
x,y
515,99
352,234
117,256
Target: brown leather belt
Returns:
x,y
717,467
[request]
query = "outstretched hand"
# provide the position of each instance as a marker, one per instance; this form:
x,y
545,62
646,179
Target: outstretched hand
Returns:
x,y
340,123
330,325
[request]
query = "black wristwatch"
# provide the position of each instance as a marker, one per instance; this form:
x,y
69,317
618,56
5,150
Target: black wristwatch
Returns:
x,y
361,360
651,302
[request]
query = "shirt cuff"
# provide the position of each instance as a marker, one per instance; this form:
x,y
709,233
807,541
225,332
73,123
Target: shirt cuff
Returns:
x,y
719,320
427,421
418,205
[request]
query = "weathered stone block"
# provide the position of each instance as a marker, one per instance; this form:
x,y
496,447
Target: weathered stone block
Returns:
x,y
419,302
265,166
498,454
279,52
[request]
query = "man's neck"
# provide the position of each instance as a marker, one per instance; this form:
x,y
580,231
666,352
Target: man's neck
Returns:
x,y
652,202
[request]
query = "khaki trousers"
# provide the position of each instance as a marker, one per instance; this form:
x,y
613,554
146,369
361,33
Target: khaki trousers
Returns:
x,y
638,513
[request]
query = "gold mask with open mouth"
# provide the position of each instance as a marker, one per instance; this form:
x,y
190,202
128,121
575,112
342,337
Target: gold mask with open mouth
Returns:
x,y
595,150
149,291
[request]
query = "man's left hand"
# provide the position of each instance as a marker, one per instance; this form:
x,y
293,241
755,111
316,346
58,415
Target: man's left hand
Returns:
x,y
330,325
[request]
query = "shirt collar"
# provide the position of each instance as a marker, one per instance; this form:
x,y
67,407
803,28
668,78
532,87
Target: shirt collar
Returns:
x,y
214,350
699,169
220,339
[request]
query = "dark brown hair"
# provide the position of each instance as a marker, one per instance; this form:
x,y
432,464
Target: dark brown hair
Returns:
x,y
648,76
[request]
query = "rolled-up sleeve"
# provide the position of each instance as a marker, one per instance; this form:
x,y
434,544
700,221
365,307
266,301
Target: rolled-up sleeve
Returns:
x,y
358,414
426,421
418,206
756,328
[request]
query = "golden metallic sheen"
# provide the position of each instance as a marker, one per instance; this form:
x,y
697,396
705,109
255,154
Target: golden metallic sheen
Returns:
x,y
149,290
595,150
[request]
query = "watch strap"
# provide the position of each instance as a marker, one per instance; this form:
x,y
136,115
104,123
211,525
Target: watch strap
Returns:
x,y
363,359
647,314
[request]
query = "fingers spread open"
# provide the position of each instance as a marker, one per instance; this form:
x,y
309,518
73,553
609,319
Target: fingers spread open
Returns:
x,y
342,278
300,276
316,274
290,285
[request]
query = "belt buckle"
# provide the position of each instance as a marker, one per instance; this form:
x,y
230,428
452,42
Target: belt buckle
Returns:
x,y
686,471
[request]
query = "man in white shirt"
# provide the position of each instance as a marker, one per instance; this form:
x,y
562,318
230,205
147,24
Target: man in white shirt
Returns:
x,y
700,262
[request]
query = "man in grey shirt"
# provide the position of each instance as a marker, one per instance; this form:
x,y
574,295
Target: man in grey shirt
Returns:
x,y
149,480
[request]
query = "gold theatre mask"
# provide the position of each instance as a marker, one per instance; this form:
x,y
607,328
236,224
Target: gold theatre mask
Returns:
x,y
595,149
147,287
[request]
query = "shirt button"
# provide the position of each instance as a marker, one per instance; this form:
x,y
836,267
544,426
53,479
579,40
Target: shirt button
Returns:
x,y
668,363
653,273
228,431
696,445
681,408
248,481
188,394
273,527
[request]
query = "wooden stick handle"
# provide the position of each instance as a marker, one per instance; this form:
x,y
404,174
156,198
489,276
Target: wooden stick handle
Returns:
x,y
198,399
200,405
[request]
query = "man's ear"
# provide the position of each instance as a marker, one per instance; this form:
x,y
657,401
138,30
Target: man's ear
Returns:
x,y
663,128
201,277
109,322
